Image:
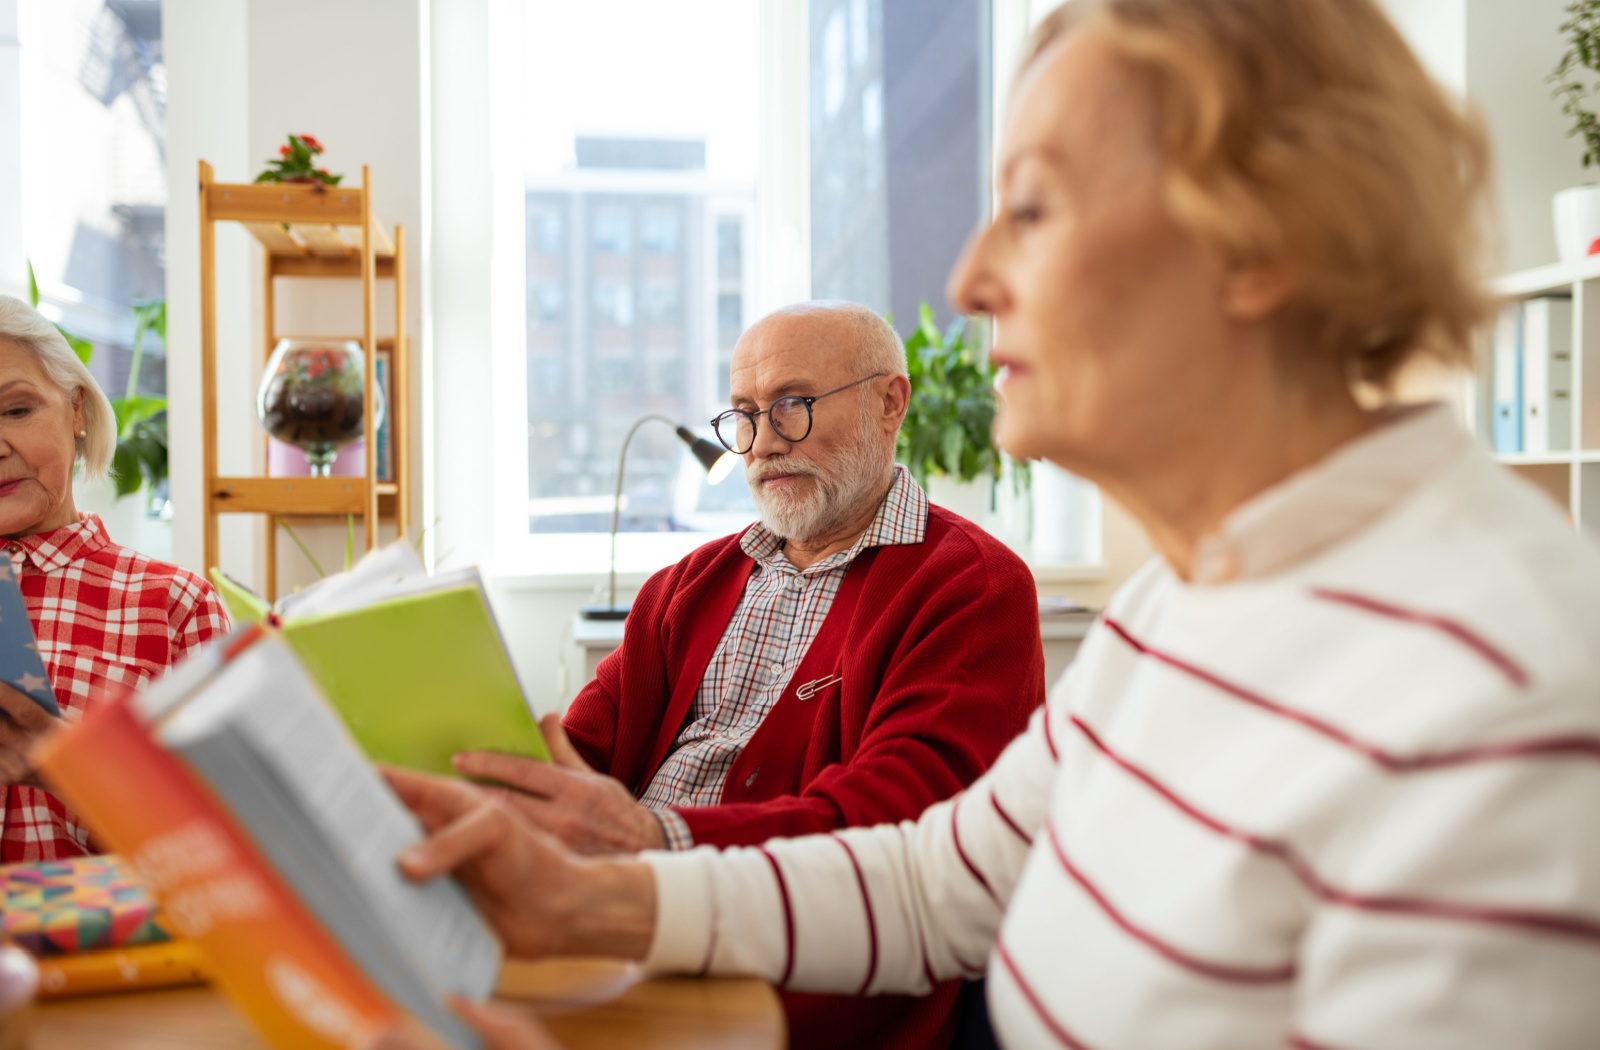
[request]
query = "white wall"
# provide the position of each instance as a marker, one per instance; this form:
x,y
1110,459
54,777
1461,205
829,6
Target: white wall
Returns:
x,y
1500,52
208,95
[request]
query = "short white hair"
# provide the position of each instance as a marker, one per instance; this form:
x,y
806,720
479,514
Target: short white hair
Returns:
x,y
26,327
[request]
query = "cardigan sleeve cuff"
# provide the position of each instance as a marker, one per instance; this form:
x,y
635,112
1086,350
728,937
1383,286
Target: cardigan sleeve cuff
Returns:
x,y
686,914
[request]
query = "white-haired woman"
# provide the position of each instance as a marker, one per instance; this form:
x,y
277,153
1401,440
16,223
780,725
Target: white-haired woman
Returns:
x,y
106,617
1327,772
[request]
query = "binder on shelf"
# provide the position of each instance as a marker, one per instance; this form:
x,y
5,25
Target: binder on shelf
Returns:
x,y
1547,374
1506,409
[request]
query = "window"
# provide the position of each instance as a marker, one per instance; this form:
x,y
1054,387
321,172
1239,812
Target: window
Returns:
x,y
652,153
93,130
654,150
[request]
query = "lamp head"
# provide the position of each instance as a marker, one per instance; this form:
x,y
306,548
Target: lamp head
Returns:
x,y
717,461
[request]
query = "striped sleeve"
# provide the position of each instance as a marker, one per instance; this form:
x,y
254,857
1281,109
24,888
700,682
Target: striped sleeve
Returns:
x,y
890,909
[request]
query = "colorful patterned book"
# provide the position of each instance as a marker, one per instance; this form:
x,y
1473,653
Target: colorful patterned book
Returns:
x,y
61,907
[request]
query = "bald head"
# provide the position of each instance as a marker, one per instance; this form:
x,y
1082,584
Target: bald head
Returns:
x,y
850,368
835,333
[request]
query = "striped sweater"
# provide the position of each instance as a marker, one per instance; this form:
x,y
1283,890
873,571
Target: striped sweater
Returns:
x,y
1342,790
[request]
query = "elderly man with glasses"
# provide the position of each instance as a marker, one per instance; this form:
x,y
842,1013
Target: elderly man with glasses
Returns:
x,y
852,658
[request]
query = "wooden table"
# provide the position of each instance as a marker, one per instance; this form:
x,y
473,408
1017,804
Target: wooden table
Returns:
x,y
586,1003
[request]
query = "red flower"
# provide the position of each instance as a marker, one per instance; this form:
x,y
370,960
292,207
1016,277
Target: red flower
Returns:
x,y
311,143
283,151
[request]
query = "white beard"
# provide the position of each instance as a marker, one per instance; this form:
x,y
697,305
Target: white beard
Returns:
x,y
860,473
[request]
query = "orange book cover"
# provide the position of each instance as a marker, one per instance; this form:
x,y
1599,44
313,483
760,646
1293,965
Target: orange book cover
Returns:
x,y
267,953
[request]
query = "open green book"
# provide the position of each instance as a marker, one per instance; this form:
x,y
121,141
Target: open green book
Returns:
x,y
415,664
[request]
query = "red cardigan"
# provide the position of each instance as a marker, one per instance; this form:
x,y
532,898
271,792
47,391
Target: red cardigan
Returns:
x,y
935,648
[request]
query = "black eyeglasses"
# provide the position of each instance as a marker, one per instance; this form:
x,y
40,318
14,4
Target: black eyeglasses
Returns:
x,y
790,417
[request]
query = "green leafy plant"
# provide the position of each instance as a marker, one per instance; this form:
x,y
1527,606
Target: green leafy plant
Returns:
x,y
80,346
1581,58
141,455
949,425
296,162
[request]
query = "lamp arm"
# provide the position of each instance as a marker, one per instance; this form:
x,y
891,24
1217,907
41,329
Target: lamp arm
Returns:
x,y
616,502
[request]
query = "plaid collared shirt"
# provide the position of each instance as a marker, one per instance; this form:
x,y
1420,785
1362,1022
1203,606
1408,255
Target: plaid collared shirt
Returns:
x,y
775,622
106,618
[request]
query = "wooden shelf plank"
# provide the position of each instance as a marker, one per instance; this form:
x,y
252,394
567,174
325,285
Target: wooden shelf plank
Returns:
x,y
275,237
289,495
269,202
381,244
327,266
322,239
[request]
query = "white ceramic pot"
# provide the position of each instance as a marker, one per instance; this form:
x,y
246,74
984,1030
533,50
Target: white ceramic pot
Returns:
x,y
1577,216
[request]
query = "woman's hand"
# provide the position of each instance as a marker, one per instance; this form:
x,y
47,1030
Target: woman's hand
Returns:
x,y
501,1027
590,812
22,723
540,897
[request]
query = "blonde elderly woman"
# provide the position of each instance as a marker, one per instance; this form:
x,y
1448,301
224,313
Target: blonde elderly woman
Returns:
x,y
106,617
1327,772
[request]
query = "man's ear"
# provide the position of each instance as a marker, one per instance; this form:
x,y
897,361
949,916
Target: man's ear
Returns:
x,y
896,400
1254,291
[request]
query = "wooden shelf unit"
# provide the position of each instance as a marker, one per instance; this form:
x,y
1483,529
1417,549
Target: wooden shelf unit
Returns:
x,y
317,232
1571,476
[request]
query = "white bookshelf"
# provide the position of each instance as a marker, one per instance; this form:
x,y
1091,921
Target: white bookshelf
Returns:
x,y
1571,476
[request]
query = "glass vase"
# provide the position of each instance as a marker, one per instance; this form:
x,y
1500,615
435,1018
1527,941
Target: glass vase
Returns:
x,y
311,397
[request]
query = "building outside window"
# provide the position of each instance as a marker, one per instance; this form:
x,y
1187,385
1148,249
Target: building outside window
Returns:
x,y
94,91
645,151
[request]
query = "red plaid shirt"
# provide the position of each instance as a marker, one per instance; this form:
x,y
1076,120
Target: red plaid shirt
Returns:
x,y
776,621
106,618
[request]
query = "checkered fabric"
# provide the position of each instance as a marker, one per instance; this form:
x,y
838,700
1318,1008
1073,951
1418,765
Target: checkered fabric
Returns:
x,y
107,618
775,622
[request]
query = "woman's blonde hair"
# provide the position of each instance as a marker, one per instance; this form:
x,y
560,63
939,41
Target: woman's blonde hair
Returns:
x,y
25,326
1306,132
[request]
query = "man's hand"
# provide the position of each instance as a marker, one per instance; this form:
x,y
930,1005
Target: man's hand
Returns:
x,y
539,897
590,812
502,1028
22,723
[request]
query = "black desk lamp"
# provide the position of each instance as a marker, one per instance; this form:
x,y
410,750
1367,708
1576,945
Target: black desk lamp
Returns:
x,y
718,463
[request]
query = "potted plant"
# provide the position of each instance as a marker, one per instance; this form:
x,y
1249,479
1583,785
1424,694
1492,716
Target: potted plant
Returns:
x,y
947,439
1577,210
296,162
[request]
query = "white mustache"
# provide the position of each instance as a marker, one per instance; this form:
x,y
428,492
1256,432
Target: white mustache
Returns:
x,y
768,468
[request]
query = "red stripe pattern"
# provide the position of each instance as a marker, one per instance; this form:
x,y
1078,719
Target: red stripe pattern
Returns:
x,y
872,921
1575,745
1450,628
972,869
1527,919
994,800
1057,1029
1279,974
788,919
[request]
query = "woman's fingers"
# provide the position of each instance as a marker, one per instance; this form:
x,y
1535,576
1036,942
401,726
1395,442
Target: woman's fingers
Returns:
x,y
434,800
474,835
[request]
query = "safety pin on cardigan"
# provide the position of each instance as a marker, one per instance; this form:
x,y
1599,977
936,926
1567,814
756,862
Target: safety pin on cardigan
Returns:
x,y
809,689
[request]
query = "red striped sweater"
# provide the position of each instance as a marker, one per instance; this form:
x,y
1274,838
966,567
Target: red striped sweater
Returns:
x,y
1345,800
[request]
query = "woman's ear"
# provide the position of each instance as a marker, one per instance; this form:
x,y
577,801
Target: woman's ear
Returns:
x,y
80,421
1255,291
